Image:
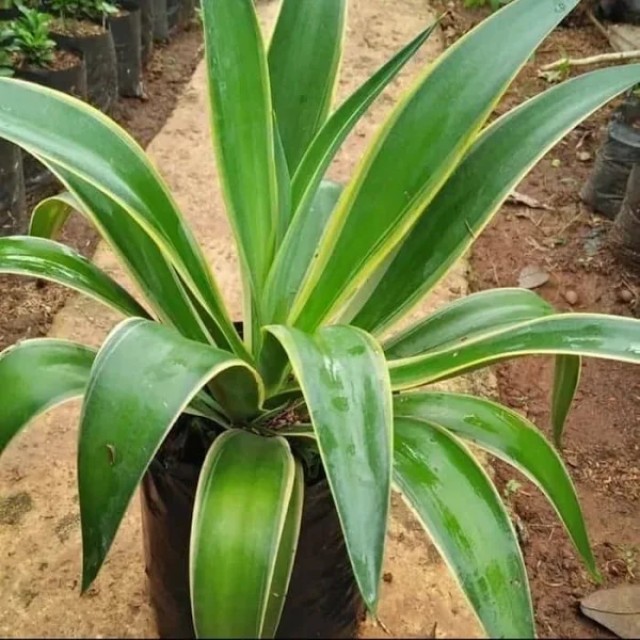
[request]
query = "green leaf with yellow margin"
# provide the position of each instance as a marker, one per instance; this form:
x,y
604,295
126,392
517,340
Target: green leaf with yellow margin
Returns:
x,y
245,529
472,195
461,511
344,380
419,147
144,377
37,375
304,56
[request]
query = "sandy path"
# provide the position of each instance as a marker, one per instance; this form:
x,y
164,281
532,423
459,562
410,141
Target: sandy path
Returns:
x,y
39,529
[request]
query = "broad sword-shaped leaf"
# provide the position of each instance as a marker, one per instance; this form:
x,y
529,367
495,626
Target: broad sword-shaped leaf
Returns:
x,y
62,130
39,258
143,378
304,56
573,334
243,137
288,268
345,383
37,375
466,318
462,513
565,384
483,313
139,254
305,230
49,215
334,132
245,529
472,195
508,435
418,148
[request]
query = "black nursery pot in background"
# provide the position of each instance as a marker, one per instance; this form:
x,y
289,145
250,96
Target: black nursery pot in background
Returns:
x,y
160,21
170,15
13,208
188,10
174,14
146,30
9,14
100,60
605,189
627,11
71,80
126,32
625,233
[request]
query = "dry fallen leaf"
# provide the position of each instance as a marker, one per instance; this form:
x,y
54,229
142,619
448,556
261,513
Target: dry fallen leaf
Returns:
x,y
522,198
617,609
532,277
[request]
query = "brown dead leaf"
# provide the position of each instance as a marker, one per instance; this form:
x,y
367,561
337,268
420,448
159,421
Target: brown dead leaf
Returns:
x,y
532,277
617,609
528,201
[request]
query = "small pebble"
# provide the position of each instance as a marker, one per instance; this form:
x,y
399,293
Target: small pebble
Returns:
x,y
571,460
625,295
571,297
584,156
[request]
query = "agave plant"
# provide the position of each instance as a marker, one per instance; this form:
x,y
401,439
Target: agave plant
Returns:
x,y
327,272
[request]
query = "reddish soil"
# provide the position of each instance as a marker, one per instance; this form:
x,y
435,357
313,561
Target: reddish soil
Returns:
x,y
27,306
61,60
602,438
72,27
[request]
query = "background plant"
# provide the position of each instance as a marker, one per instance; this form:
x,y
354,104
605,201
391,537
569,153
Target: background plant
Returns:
x,y
84,9
6,56
327,270
30,38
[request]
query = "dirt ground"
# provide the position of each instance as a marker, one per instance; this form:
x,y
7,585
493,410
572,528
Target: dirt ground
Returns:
x,y
27,307
602,441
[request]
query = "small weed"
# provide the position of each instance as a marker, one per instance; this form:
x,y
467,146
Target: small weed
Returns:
x,y
511,489
629,556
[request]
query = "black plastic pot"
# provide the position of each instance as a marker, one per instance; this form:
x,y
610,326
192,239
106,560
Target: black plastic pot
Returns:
x,y
174,14
146,30
187,11
126,32
605,189
323,600
627,11
9,14
100,60
160,21
72,81
13,207
625,233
